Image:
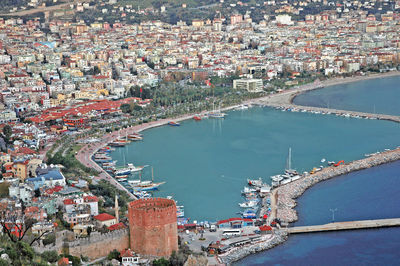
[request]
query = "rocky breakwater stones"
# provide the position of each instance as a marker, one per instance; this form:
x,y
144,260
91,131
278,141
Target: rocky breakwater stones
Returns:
x,y
289,192
238,253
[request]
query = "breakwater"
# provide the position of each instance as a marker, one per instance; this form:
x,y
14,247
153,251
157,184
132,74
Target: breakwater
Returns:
x,y
350,225
283,204
345,113
269,241
287,194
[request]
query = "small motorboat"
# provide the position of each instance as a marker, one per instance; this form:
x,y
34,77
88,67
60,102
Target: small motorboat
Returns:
x,y
172,123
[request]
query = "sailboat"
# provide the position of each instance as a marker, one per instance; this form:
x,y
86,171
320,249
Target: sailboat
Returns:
x,y
216,113
289,171
139,185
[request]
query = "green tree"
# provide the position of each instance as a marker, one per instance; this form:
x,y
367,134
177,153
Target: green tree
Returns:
x,y
7,132
49,239
89,230
50,256
161,262
125,108
114,255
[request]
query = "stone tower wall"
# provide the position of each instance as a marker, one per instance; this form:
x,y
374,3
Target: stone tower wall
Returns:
x,y
153,226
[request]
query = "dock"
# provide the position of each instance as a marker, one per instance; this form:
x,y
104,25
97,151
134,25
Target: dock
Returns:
x,y
338,112
338,226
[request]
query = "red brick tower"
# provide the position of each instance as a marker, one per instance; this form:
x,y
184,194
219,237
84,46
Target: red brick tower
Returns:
x,y
153,226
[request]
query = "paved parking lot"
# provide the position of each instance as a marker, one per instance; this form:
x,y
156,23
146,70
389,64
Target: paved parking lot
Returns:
x,y
193,240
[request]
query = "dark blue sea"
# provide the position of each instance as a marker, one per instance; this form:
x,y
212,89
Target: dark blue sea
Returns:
x,y
367,194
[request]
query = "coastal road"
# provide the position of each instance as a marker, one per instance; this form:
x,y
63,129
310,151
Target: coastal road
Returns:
x,y
364,224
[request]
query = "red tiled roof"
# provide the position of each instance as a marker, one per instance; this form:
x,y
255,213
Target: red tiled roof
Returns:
x,y
127,253
90,199
69,202
116,226
63,262
104,217
265,228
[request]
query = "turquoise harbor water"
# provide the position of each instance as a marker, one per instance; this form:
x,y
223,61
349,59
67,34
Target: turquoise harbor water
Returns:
x,y
371,96
205,164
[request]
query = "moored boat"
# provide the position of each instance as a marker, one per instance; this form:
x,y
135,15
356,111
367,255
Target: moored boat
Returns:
x,y
255,182
172,123
144,185
248,204
127,170
134,137
197,117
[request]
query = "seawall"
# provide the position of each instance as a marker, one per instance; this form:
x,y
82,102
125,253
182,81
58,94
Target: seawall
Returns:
x,y
286,194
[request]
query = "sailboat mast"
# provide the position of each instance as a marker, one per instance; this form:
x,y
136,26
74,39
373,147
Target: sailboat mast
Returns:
x,y
152,174
290,159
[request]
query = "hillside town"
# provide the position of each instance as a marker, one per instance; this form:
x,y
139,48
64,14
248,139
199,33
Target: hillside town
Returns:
x,y
64,84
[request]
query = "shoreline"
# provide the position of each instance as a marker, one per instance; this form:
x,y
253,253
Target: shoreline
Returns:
x,y
341,81
287,96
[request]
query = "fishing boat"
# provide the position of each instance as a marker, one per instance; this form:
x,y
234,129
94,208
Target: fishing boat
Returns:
x,y
247,190
118,143
123,172
277,178
197,117
172,123
141,194
134,137
180,212
106,149
323,160
248,204
255,182
249,214
242,107
109,163
122,177
144,185
103,160
128,170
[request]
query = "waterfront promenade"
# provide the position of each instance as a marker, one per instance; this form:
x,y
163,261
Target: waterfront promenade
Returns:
x,y
350,225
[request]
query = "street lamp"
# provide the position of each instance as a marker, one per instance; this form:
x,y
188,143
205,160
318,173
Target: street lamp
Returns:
x,y
333,214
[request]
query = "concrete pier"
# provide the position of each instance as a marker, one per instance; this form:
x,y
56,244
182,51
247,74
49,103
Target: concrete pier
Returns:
x,y
352,225
393,118
285,195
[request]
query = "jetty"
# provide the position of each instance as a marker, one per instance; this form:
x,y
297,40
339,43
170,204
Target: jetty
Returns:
x,y
351,225
284,100
346,113
283,206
